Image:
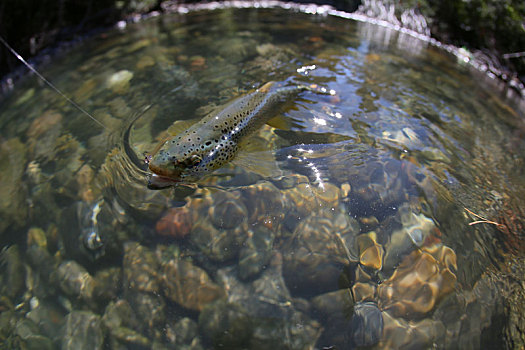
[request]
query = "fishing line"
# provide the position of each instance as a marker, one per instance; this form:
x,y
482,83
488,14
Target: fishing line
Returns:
x,y
49,83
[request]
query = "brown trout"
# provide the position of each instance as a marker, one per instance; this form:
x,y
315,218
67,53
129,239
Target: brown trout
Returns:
x,y
214,140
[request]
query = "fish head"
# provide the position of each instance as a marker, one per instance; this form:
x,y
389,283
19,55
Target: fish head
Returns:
x,y
173,165
182,158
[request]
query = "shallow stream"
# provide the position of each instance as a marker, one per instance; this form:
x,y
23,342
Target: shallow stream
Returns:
x,y
359,237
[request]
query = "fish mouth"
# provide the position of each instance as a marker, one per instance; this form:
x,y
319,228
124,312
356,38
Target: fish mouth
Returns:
x,y
157,182
162,172
161,177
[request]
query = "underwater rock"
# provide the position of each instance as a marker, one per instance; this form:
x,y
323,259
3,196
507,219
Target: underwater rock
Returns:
x,y
120,314
306,197
370,252
255,252
75,281
363,291
82,331
13,204
150,310
218,245
422,279
416,230
175,223
184,332
333,304
108,282
188,285
12,272
226,325
227,211
264,203
119,81
377,188
319,249
37,236
48,315
144,62
276,318
30,337
140,269
334,309
366,327
296,333
197,63
122,337
41,278
235,49
42,135
401,334
84,178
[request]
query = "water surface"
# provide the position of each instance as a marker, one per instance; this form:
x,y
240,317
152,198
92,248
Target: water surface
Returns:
x,y
360,236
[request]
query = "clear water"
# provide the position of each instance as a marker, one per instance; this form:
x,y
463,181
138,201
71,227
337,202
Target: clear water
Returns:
x,y
360,236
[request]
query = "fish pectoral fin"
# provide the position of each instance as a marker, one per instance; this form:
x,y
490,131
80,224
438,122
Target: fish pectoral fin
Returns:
x,y
181,125
281,122
257,157
261,163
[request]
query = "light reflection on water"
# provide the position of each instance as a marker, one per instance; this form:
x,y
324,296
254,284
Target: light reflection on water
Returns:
x,y
359,238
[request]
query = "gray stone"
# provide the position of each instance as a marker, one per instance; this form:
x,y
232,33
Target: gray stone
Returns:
x,y
256,252
82,330
366,325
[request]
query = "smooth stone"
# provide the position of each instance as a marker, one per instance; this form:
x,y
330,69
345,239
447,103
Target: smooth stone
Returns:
x,y
184,332
150,309
140,268
218,245
120,314
30,336
366,326
13,273
256,252
189,285
119,81
129,338
82,331
226,325
321,247
13,203
334,303
75,281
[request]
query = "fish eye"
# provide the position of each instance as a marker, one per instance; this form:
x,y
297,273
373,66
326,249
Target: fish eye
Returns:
x,y
193,160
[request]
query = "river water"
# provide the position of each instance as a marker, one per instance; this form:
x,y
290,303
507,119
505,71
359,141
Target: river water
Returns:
x,y
390,217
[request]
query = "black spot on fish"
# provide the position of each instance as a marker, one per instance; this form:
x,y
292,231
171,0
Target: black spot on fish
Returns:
x,y
208,143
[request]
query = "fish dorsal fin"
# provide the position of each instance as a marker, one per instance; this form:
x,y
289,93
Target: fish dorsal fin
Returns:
x,y
281,122
255,156
181,125
266,87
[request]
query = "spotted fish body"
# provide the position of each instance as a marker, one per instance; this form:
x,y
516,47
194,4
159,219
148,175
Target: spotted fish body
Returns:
x,y
214,141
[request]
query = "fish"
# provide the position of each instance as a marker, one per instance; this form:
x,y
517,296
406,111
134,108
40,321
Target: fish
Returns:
x,y
217,138
209,144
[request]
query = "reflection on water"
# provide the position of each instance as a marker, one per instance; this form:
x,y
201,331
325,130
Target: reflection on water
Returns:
x,y
359,238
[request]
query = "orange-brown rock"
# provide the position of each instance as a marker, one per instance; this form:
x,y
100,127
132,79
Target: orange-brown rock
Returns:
x,y
176,223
